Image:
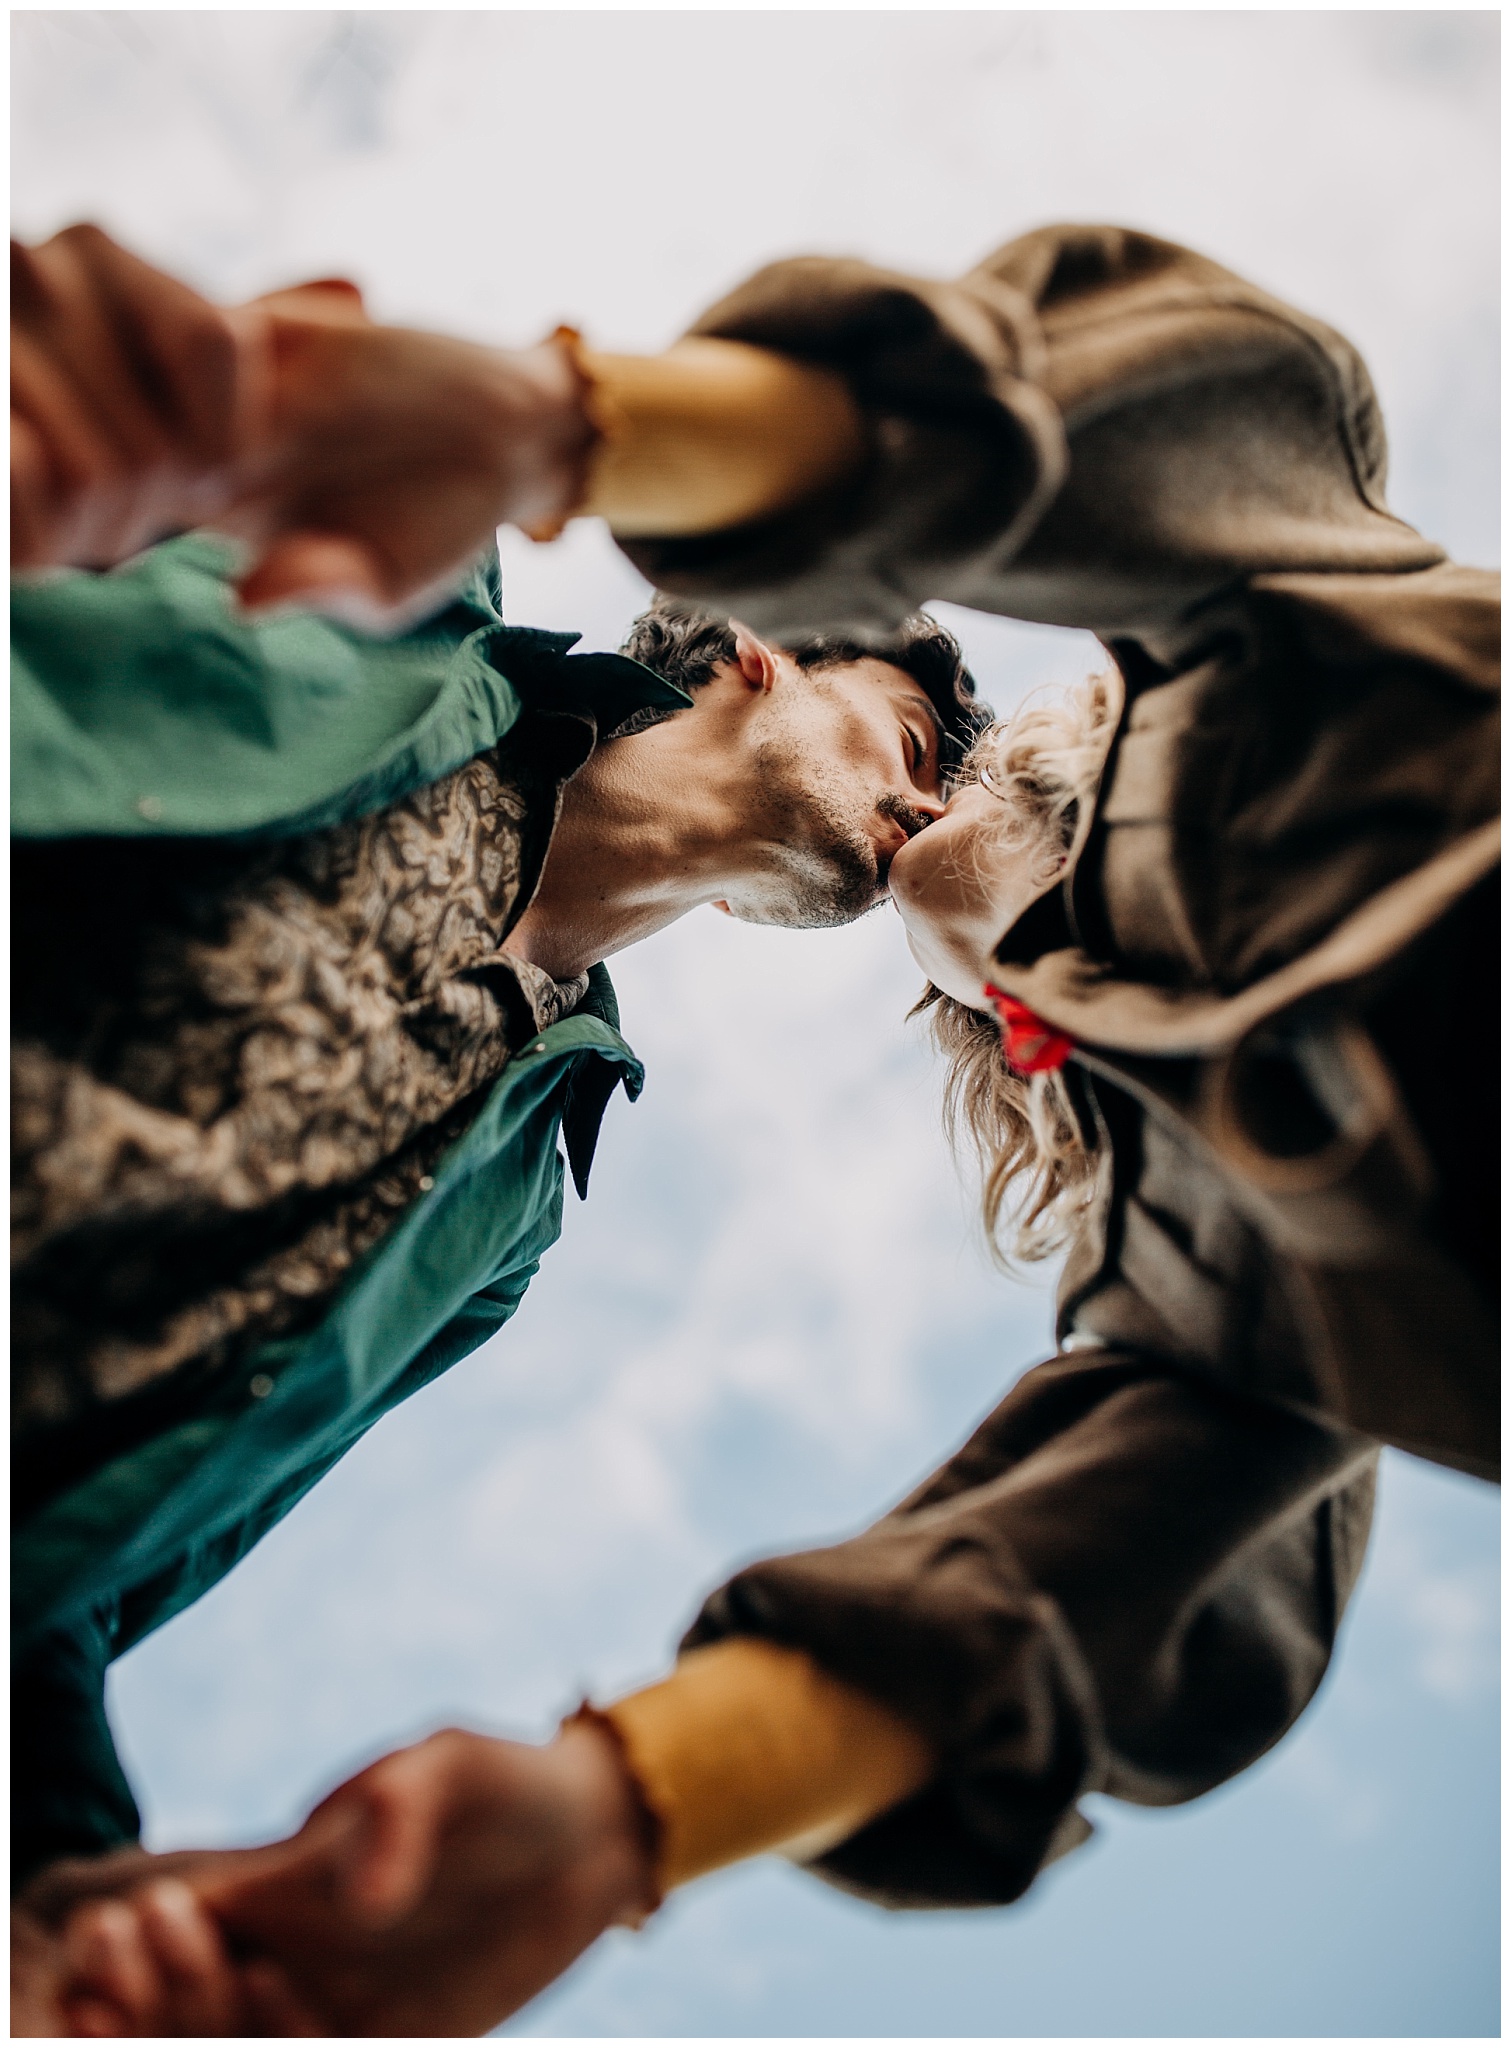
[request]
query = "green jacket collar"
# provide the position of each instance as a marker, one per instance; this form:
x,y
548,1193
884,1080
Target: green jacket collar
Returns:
x,y
144,705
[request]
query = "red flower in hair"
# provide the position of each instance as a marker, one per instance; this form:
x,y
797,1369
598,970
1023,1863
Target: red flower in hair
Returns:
x,y
1029,1045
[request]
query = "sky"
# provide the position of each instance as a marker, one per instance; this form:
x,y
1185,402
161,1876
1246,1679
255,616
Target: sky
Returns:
x,y
773,1314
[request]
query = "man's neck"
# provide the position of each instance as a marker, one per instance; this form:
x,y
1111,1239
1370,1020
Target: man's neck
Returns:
x,y
628,856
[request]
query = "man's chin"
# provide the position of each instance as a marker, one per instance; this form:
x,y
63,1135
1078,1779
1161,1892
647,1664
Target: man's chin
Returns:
x,y
821,888
812,909
807,917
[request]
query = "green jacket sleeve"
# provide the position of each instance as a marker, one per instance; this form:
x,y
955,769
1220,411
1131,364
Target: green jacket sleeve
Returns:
x,y
69,1795
143,703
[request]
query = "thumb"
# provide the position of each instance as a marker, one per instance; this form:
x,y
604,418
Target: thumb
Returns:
x,y
272,2004
393,1849
333,301
329,571
242,1887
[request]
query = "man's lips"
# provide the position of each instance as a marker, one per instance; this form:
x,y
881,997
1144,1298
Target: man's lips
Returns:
x,y
900,823
888,846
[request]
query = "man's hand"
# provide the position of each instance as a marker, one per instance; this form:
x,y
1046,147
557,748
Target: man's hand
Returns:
x,y
131,400
112,1945
448,1884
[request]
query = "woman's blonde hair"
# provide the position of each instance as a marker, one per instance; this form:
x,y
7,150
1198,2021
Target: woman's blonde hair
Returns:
x,y
1023,1129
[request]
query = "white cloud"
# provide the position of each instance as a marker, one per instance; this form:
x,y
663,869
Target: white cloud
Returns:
x,y
1447,1603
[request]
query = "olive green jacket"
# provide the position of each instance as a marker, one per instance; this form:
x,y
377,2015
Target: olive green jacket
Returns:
x,y
1276,954
142,706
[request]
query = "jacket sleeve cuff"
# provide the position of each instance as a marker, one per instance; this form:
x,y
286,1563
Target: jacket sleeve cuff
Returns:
x,y
749,1747
712,435
962,452
1094,428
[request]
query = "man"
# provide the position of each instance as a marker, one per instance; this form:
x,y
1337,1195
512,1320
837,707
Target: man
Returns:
x,y
309,932
287,1105
1097,429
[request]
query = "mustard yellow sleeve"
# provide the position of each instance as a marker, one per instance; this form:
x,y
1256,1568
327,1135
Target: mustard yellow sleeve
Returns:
x,y
749,1747
712,435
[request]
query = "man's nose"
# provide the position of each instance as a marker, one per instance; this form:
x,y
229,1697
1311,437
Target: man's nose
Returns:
x,y
929,806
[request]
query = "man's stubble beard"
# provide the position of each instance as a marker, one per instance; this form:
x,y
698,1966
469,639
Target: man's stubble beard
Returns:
x,y
829,873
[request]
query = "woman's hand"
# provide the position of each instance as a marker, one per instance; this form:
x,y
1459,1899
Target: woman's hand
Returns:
x,y
451,1882
392,455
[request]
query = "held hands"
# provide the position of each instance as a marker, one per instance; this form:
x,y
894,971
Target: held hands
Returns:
x,y
472,1873
435,1893
364,464
149,1961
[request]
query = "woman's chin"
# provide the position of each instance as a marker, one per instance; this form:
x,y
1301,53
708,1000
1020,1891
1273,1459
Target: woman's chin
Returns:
x,y
956,974
970,992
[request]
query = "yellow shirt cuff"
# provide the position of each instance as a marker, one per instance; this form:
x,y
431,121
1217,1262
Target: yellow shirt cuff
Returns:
x,y
712,435
749,1747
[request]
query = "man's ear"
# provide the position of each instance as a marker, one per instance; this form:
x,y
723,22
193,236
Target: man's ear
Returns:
x,y
755,660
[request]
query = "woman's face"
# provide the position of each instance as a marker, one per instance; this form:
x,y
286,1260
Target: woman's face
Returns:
x,y
959,887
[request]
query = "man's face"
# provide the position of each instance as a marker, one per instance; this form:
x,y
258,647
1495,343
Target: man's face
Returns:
x,y
845,771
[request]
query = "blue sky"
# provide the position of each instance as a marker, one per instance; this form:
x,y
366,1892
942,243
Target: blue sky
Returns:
x,y
772,1316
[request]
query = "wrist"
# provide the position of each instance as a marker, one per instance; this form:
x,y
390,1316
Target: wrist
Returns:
x,y
551,430
356,405
612,1815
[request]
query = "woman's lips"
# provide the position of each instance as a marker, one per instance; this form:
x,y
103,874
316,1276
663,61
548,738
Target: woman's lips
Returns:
x,y
893,852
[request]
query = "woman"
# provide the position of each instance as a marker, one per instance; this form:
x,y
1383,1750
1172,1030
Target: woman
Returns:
x,y
1006,839
1284,1105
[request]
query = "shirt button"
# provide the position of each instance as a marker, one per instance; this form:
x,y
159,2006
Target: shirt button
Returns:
x,y
150,806
427,1182
260,1386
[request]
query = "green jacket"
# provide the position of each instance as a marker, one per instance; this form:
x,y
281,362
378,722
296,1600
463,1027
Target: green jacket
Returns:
x,y
141,706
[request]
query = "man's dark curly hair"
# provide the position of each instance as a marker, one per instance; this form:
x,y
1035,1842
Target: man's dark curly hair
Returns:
x,y
686,646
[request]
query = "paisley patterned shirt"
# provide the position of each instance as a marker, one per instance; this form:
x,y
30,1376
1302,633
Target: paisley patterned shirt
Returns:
x,y
237,1064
